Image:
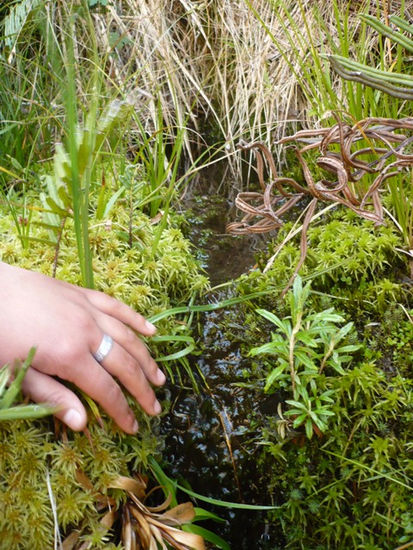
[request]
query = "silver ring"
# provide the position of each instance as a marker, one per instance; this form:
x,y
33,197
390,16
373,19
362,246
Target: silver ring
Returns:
x,y
104,348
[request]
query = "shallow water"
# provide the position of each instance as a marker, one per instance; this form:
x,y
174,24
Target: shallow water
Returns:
x,y
206,432
223,256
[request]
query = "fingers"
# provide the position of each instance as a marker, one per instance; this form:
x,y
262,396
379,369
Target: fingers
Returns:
x,y
127,370
93,379
136,349
45,389
120,311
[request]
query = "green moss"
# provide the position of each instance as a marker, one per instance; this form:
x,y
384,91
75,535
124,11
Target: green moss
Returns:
x,y
347,256
348,489
351,486
30,451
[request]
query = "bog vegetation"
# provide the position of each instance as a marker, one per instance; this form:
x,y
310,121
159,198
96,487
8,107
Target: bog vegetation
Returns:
x,y
109,114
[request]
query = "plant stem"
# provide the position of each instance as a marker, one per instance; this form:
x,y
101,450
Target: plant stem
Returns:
x,y
295,330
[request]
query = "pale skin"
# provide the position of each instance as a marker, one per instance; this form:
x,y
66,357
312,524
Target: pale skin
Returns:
x,y
66,324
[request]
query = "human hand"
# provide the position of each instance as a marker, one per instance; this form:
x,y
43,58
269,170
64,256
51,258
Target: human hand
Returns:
x,y
66,323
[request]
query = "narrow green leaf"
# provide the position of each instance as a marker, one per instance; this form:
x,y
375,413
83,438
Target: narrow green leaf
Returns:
x,y
167,484
344,331
10,395
305,360
309,429
273,376
349,348
389,32
299,420
202,514
177,355
55,208
401,23
208,535
296,404
225,503
172,338
268,348
208,307
336,366
111,202
165,481
373,470
272,318
20,412
326,412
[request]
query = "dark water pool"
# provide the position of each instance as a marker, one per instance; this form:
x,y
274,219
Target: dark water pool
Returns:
x,y
210,435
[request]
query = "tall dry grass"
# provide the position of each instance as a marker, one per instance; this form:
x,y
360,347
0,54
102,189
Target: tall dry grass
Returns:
x,y
237,64
227,70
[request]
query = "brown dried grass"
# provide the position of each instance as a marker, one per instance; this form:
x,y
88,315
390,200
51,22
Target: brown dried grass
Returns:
x,y
215,61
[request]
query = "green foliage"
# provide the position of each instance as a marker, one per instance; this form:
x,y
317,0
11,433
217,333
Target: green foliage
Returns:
x,y
351,486
30,92
123,262
346,488
398,85
170,488
124,267
304,345
68,188
347,257
307,60
30,452
10,395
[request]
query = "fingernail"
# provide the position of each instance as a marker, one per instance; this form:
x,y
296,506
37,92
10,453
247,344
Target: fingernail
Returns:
x,y
73,419
150,326
157,407
160,377
135,426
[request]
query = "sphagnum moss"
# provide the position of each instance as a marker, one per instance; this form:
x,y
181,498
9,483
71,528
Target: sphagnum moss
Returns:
x,y
30,451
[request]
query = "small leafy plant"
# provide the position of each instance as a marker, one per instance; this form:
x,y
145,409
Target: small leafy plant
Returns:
x,y
307,346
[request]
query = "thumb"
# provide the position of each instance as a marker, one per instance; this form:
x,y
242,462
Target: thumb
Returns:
x,y
45,389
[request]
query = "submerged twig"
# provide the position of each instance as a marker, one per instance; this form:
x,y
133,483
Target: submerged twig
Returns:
x,y
343,149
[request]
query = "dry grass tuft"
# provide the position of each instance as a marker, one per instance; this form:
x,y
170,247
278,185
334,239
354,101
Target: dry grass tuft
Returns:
x,y
217,61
